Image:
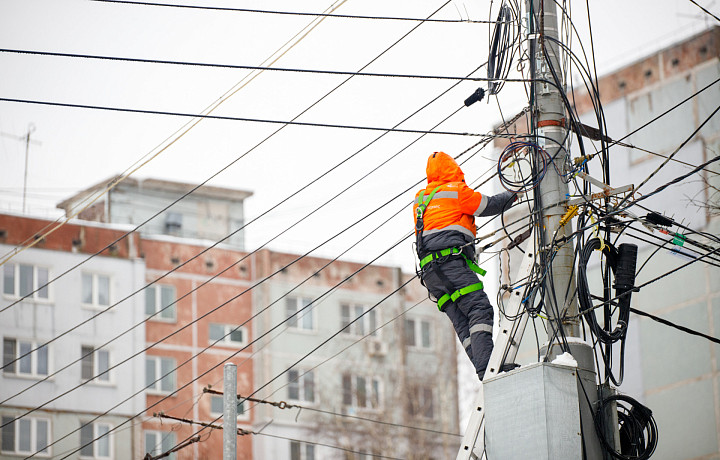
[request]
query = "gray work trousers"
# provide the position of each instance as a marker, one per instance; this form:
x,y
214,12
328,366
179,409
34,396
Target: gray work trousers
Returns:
x,y
471,314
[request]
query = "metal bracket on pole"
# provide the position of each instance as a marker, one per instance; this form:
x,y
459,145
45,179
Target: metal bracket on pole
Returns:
x,y
504,351
230,412
607,193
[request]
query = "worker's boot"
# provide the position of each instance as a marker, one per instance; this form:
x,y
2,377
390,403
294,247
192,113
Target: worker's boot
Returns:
x,y
507,367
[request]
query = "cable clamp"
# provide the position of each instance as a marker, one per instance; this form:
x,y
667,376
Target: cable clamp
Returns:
x,y
571,212
543,123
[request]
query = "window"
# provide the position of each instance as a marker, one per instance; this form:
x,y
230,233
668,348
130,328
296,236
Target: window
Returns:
x,y
160,374
365,325
301,387
173,223
417,333
227,334
20,280
303,319
361,392
95,441
363,455
95,290
18,359
216,407
26,436
420,403
301,451
160,299
95,364
159,442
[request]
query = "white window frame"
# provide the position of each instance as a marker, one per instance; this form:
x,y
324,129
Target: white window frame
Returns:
x,y
167,315
303,448
94,293
36,296
242,406
301,382
33,374
96,428
369,396
157,386
106,378
418,335
15,426
300,322
160,437
227,334
367,323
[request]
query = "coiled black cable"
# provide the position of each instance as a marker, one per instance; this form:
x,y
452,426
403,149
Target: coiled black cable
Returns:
x,y
585,298
638,430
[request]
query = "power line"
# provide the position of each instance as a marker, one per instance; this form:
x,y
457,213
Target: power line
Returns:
x,y
228,118
224,360
262,142
284,405
676,326
178,134
704,9
253,220
234,354
296,13
243,432
249,67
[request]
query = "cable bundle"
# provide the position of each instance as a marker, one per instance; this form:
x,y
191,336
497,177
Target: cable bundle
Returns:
x,y
638,430
524,183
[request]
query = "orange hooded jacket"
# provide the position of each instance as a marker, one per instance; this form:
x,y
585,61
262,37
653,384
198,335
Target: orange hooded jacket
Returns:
x,y
454,205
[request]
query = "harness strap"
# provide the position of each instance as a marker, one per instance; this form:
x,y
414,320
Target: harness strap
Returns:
x,y
446,252
460,292
420,211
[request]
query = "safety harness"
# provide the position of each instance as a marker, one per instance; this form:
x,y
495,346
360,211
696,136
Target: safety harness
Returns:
x,y
440,256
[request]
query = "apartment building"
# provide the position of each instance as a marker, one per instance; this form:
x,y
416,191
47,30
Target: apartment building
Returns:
x,y
70,378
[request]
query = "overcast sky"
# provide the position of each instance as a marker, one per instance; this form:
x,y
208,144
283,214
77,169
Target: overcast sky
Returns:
x,y
75,148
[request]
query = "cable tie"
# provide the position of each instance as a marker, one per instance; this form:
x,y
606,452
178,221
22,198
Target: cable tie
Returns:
x,y
678,239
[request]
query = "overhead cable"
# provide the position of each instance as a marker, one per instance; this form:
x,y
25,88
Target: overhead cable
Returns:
x,y
174,137
335,88
228,118
704,9
244,432
285,405
294,13
249,67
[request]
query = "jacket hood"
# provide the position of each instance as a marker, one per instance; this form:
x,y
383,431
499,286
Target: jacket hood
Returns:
x,y
442,168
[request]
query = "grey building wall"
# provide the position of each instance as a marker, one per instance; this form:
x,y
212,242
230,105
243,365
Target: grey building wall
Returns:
x,y
40,320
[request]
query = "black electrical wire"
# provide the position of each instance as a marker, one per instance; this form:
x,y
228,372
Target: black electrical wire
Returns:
x,y
638,430
243,432
232,233
229,118
298,312
684,329
213,367
317,102
499,60
249,67
294,13
704,9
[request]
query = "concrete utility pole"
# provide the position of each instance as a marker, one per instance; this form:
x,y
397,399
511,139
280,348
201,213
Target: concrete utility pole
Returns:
x,y
229,411
558,259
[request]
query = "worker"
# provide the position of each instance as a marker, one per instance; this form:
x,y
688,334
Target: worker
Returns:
x,y
445,213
